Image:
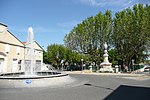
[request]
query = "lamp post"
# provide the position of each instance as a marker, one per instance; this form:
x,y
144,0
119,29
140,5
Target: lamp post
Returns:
x,y
82,64
56,59
133,63
62,63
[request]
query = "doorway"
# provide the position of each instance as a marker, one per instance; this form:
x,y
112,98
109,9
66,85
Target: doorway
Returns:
x,y
1,64
15,65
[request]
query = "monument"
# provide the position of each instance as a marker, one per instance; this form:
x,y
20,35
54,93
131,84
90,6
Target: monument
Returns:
x,y
106,66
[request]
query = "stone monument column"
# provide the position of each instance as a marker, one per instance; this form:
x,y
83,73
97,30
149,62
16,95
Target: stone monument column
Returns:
x,y
106,66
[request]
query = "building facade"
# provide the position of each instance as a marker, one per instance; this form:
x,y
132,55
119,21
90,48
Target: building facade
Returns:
x,y
14,53
37,56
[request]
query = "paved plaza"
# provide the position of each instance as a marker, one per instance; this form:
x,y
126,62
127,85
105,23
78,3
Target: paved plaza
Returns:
x,y
97,87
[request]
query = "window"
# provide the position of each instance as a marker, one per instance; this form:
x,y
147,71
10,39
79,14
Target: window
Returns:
x,y
7,48
18,50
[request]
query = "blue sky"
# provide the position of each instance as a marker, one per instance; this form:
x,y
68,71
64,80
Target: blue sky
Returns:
x,y
53,19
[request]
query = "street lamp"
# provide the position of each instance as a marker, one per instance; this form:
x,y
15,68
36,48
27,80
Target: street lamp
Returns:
x,y
133,63
82,63
62,63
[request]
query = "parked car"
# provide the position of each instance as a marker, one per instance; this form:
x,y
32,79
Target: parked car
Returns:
x,y
147,69
73,68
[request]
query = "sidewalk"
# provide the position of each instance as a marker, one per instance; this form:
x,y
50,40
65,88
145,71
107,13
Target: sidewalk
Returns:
x,y
120,75
106,74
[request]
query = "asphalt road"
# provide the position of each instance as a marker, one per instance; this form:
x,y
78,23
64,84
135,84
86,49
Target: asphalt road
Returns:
x,y
97,88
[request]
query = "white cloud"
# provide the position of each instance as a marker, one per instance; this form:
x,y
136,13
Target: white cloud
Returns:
x,y
92,2
108,3
113,5
56,30
61,28
68,25
129,3
24,29
42,30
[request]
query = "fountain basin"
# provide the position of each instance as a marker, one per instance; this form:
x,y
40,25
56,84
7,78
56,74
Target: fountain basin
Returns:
x,y
37,75
38,80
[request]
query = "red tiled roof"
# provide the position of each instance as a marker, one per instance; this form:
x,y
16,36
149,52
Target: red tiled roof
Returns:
x,y
24,42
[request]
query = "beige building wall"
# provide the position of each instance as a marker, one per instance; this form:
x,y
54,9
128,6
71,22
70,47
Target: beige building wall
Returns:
x,y
14,53
11,51
38,55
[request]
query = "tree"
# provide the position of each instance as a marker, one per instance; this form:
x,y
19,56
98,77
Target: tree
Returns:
x,y
56,53
90,35
131,33
46,58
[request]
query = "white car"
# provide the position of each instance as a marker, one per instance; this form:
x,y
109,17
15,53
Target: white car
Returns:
x,y
147,69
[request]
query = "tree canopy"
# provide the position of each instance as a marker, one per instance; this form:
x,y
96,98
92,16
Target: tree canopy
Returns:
x,y
128,33
131,34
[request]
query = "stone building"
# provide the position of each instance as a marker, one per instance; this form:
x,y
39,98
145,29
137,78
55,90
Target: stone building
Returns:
x,y
38,56
14,53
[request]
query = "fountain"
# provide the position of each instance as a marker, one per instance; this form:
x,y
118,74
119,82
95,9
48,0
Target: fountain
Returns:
x,y
31,78
106,65
30,41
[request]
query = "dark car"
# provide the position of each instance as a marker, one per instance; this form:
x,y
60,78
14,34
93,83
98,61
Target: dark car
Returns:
x,y
73,68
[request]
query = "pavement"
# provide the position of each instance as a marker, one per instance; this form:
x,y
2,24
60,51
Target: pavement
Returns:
x,y
141,76
100,86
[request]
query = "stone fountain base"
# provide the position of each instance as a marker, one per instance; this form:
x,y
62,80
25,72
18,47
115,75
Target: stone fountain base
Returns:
x,y
106,67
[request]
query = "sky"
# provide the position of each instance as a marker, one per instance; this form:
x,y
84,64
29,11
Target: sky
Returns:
x,y
51,20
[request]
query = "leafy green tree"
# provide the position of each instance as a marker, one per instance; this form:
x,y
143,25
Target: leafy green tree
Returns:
x,y
90,35
46,58
131,33
56,53
114,58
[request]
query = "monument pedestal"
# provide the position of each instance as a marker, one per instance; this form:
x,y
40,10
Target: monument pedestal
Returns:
x,y
106,67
